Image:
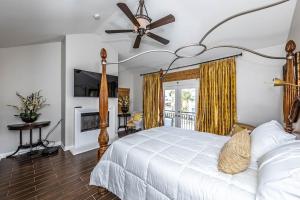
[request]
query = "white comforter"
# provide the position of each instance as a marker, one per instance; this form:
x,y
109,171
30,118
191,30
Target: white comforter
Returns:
x,y
171,163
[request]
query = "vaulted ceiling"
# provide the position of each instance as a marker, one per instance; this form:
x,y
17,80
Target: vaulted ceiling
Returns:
x,y
36,21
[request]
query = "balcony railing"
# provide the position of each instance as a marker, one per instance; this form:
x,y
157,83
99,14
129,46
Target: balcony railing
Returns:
x,y
187,119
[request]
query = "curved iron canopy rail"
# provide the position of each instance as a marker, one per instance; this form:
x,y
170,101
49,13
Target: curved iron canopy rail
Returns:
x,y
191,65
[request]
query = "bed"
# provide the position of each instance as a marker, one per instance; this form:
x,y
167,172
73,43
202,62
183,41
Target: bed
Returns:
x,y
171,163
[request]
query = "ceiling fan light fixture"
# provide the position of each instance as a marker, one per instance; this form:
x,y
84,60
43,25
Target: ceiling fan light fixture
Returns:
x,y
142,17
142,23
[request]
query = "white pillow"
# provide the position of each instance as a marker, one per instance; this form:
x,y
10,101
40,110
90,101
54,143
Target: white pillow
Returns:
x,y
266,137
279,173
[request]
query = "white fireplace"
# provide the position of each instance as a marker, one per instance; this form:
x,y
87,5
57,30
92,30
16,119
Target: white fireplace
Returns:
x,y
86,128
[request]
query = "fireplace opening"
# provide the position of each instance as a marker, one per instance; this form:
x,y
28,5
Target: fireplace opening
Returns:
x,y
90,121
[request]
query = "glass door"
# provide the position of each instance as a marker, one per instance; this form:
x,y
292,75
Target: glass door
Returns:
x,y
180,104
170,106
187,107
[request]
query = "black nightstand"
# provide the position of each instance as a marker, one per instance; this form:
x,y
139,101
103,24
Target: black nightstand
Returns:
x,y
125,117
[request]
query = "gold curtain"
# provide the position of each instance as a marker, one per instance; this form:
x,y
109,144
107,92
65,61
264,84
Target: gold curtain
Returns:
x,y
152,88
217,97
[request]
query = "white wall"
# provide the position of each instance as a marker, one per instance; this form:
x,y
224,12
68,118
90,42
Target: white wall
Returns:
x,y
132,80
82,51
257,100
138,93
63,90
27,69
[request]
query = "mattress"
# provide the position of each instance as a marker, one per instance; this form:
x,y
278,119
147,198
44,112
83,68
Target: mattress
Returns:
x,y
170,163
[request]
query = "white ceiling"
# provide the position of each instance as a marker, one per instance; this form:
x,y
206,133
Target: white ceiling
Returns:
x,y
36,21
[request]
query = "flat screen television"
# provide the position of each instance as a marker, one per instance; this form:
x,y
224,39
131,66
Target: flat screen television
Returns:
x,y
86,84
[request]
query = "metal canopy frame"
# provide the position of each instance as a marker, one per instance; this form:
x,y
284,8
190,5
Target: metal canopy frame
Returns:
x,y
201,44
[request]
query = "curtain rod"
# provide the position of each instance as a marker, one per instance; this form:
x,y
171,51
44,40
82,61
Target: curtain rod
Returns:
x,y
184,66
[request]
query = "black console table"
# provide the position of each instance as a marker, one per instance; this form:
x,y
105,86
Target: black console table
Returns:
x,y
125,117
30,127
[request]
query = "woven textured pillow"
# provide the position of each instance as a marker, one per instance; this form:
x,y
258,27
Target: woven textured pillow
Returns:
x,y
235,129
235,154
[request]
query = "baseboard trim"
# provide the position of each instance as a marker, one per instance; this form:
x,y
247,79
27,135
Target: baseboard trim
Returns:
x,y
85,148
22,151
66,148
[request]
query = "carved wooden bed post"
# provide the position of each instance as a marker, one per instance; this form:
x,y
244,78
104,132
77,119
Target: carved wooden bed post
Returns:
x,y
161,99
103,108
103,137
290,76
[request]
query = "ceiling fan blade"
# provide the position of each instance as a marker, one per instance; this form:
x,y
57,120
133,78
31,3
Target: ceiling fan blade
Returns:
x,y
163,21
119,31
158,38
128,13
137,42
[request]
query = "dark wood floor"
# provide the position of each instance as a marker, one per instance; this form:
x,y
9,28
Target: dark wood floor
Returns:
x,y
62,176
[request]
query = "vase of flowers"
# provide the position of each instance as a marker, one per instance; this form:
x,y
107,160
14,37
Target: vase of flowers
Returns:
x,y
124,103
29,106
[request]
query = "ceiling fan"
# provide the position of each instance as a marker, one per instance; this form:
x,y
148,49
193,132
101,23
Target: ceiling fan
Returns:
x,y
143,24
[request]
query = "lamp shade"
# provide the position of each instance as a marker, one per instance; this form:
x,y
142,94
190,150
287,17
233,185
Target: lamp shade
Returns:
x,y
278,82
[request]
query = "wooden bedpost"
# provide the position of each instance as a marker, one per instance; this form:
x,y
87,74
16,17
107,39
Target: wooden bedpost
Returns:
x,y
297,63
161,99
103,137
289,76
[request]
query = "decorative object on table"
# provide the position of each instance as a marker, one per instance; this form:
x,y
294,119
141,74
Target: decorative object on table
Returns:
x,y
122,92
29,106
124,103
136,121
